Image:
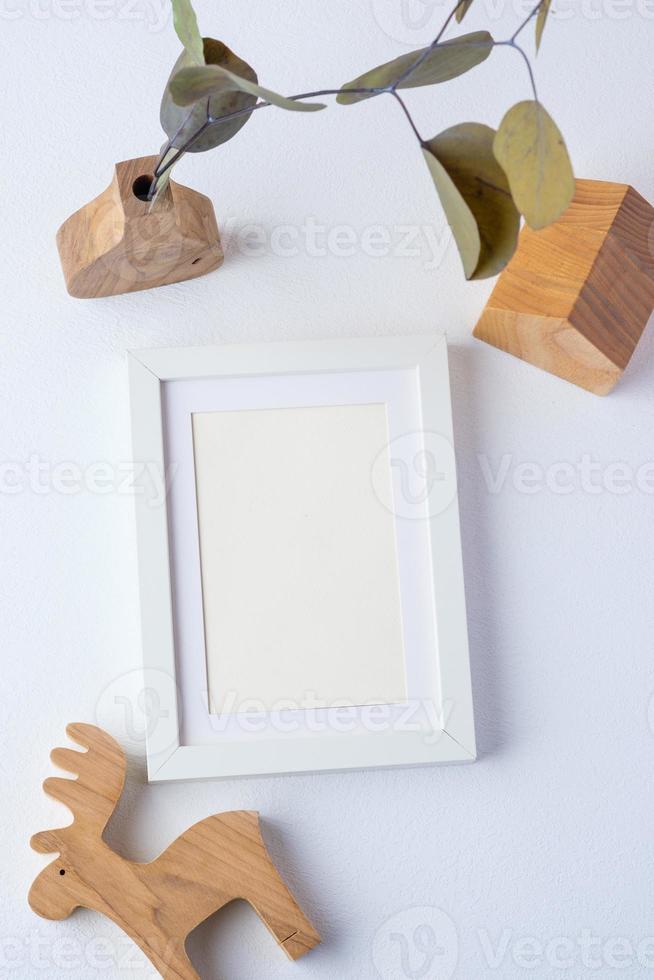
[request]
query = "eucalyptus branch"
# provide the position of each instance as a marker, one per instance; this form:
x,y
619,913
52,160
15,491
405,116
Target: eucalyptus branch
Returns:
x,y
486,178
160,171
379,81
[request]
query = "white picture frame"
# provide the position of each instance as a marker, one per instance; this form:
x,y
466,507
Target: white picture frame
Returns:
x,y
434,722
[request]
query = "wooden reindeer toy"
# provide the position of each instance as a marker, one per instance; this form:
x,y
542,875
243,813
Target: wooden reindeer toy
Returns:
x,y
157,904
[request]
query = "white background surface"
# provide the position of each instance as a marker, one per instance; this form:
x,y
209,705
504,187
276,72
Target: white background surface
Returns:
x,y
550,834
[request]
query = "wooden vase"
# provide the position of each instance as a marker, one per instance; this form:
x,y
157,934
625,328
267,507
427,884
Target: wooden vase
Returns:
x,y
119,243
576,296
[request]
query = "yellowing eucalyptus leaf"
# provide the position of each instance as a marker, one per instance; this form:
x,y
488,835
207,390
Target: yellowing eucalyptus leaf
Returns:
x,y
541,19
186,27
531,151
443,62
475,196
197,82
462,10
459,216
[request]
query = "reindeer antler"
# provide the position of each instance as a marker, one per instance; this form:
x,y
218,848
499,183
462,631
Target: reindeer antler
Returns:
x,y
93,796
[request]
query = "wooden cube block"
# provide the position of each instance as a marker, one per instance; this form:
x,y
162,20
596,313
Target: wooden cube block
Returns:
x,y
576,296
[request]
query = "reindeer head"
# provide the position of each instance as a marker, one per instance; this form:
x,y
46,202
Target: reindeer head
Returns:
x,y
55,892
63,885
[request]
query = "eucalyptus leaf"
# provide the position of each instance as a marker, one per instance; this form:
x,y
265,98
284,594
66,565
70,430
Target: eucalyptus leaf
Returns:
x,y
180,123
531,151
459,216
541,19
443,62
197,82
475,196
186,26
462,10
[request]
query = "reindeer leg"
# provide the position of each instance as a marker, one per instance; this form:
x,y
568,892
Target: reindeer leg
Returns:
x,y
292,929
273,900
179,967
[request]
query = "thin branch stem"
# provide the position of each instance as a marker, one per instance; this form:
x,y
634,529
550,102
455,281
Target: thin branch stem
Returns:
x,y
409,117
169,145
530,70
516,47
334,91
183,149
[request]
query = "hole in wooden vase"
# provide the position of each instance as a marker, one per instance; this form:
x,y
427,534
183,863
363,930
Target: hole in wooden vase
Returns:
x,y
141,186
62,872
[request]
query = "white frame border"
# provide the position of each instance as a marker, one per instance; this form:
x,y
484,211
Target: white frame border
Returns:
x,y
168,759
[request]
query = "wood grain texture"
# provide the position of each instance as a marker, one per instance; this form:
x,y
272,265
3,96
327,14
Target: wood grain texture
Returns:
x,y
157,904
119,244
576,296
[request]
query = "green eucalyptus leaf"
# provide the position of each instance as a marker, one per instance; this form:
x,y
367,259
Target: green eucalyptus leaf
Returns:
x,y
531,151
541,19
197,82
445,61
186,26
475,196
462,10
180,123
